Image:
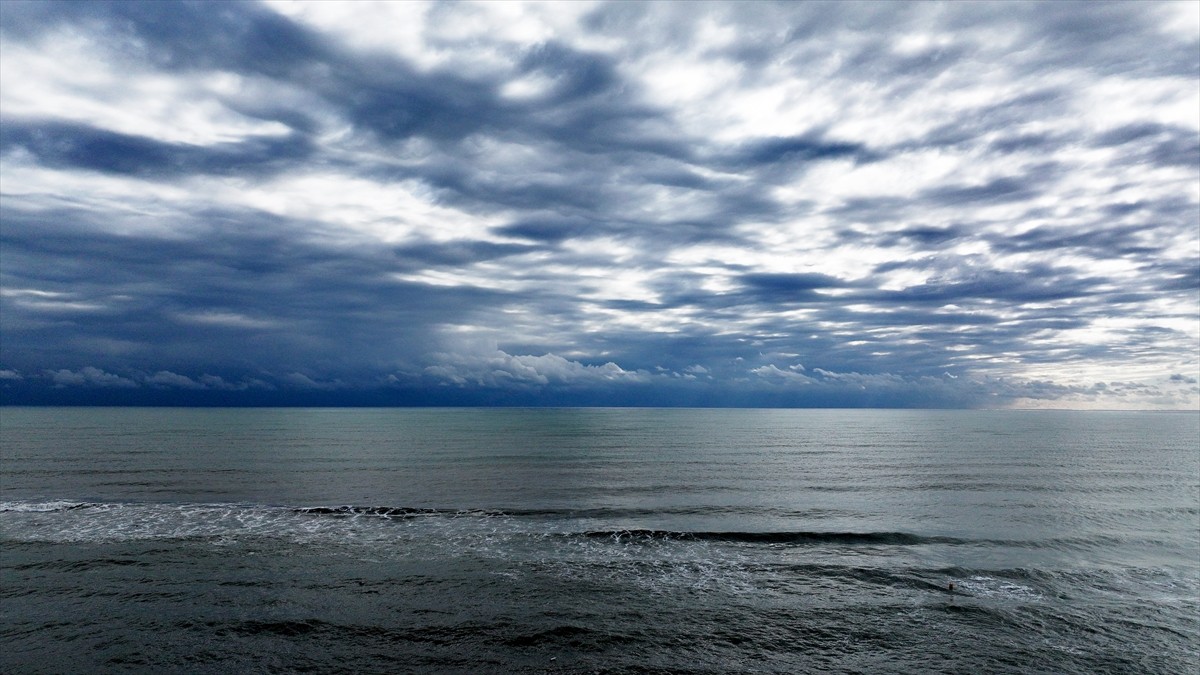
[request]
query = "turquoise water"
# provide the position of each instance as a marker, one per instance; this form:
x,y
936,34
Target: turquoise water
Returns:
x,y
580,540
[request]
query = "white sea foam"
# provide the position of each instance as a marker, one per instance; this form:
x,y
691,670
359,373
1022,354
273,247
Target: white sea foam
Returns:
x,y
1001,589
66,521
37,507
512,543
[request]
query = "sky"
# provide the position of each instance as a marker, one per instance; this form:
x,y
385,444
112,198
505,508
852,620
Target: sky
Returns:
x,y
699,204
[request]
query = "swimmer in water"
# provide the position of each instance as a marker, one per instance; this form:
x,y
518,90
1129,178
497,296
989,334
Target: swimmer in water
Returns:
x,y
950,586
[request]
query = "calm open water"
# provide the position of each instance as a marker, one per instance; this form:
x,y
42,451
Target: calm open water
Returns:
x,y
610,540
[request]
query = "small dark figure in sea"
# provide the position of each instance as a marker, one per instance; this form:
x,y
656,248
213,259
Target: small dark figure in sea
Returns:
x,y
950,586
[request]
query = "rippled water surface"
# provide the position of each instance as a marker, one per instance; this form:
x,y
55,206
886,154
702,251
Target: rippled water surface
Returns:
x,y
585,540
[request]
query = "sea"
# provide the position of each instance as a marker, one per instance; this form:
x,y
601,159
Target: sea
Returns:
x,y
500,540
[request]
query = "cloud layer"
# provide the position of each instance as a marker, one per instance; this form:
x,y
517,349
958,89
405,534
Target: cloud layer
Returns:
x,y
843,204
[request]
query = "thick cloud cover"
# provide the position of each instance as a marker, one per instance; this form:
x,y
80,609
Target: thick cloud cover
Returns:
x,y
809,204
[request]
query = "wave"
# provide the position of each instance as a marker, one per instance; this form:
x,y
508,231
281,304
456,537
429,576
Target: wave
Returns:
x,y
71,520
43,507
793,538
388,511
333,511
139,520
618,535
565,513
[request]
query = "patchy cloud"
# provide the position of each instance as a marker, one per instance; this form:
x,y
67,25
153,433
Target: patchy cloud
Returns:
x,y
88,377
166,378
981,204
499,369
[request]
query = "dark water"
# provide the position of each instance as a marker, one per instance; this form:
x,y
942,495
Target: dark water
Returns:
x,y
598,540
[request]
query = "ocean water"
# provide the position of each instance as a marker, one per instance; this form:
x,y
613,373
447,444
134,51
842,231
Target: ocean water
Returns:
x,y
598,540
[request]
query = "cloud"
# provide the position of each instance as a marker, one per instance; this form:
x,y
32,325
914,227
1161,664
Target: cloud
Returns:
x,y
165,378
954,205
76,146
500,369
771,372
88,376
302,381
798,149
785,287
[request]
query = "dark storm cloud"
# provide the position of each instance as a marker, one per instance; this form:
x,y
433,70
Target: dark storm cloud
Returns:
x,y
548,229
1034,284
918,236
427,254
579,229
1125,240
799,149
1177,277
242,294
381,95
785,288
1109,37
239,36
77,146
1156,143
461,185
576,75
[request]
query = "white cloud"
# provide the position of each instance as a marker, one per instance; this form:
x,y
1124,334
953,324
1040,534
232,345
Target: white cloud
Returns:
x,y
228,320
89,377
773,373
69,76
166,378
48,301
350,209
501,369
302,381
